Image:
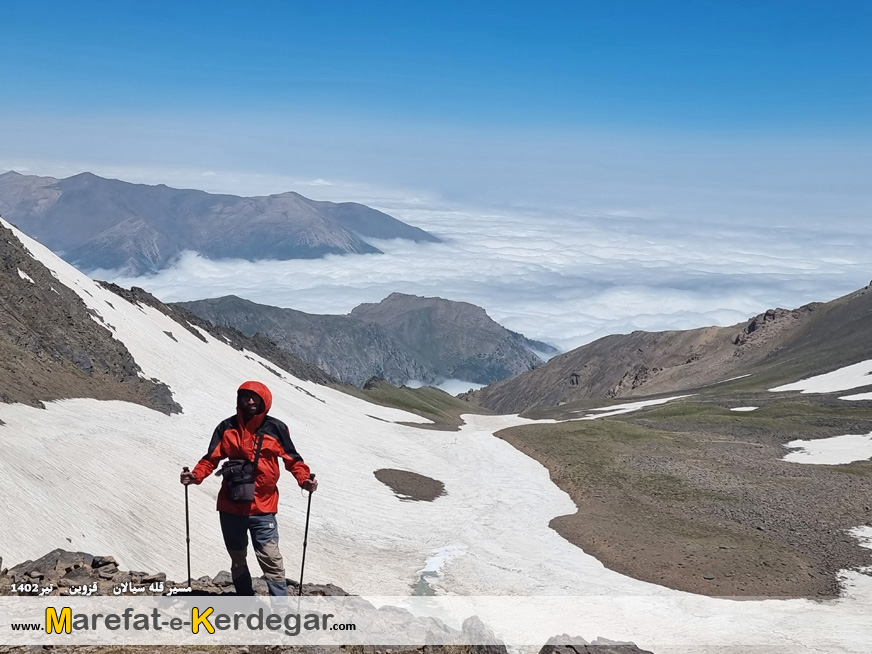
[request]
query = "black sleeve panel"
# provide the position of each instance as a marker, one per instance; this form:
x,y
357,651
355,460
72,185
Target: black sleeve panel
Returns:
x,y
217,435
279,430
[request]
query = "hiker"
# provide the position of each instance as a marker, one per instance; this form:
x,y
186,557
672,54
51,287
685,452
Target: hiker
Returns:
x,y
253,443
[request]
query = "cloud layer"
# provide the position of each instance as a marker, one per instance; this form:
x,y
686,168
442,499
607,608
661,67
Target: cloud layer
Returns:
x,y
562,278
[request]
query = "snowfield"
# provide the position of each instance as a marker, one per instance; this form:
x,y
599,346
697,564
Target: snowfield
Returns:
x,y
620,409
102,477
843,379
832,451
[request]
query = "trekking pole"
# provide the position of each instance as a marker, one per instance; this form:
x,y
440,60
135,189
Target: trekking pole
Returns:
x,y
305,538
187,529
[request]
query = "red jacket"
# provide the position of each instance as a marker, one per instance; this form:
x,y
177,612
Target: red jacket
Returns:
x,y
230,441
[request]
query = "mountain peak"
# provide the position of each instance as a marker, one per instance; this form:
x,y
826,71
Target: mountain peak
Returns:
x,y
88,176
397,304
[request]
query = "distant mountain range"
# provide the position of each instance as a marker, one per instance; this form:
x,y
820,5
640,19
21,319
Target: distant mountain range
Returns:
x,y
96,223
401,338
774,345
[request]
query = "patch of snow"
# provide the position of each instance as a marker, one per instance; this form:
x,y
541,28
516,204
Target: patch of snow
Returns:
x,y
25,276
862,534
724,381
618,409
432,569
843,379
857,397
831,451
450,386
745,408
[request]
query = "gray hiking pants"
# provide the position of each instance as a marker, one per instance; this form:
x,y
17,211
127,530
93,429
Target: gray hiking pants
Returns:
x,y
265,537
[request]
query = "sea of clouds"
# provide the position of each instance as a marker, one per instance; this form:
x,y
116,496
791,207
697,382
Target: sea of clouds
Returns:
x,y
642,231
554,276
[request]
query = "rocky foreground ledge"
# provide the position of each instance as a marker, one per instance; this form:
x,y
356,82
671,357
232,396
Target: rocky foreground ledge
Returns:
x,y
61,572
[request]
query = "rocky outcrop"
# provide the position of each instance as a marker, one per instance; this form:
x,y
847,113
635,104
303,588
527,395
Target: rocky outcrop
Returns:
x,y
631,380
404,337
54,347
110,224
62,571
566,644
771,324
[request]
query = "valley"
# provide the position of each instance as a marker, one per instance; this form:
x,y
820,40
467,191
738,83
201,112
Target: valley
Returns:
x,y
682,502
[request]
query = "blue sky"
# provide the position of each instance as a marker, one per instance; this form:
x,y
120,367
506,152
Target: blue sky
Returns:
x,y
691,110
561,65
593,166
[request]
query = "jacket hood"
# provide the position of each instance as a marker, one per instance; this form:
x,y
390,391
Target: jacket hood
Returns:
x,y
264,394
262,391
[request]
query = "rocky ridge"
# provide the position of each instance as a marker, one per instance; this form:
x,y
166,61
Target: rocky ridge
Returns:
x,y
53,347
62,569
97,223
257,343
814,337
59,571
401,338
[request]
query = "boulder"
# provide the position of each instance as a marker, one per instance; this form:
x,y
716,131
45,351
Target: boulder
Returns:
x,y
51,566
566,644
475,631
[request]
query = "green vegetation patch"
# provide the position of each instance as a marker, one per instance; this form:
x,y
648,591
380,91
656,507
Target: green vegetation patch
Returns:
x,y
428,402
777,420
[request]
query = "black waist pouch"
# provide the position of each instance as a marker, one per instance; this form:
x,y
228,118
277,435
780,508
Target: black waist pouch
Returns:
x,y
239,476
238,479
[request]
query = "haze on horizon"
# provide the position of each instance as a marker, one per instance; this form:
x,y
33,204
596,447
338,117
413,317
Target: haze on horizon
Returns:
x,y
628,149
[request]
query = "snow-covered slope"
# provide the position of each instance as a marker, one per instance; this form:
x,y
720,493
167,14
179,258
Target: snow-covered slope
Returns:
x,y
103,477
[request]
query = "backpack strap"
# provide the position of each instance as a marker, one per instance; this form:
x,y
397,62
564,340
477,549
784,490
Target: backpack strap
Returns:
x,y
257,454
